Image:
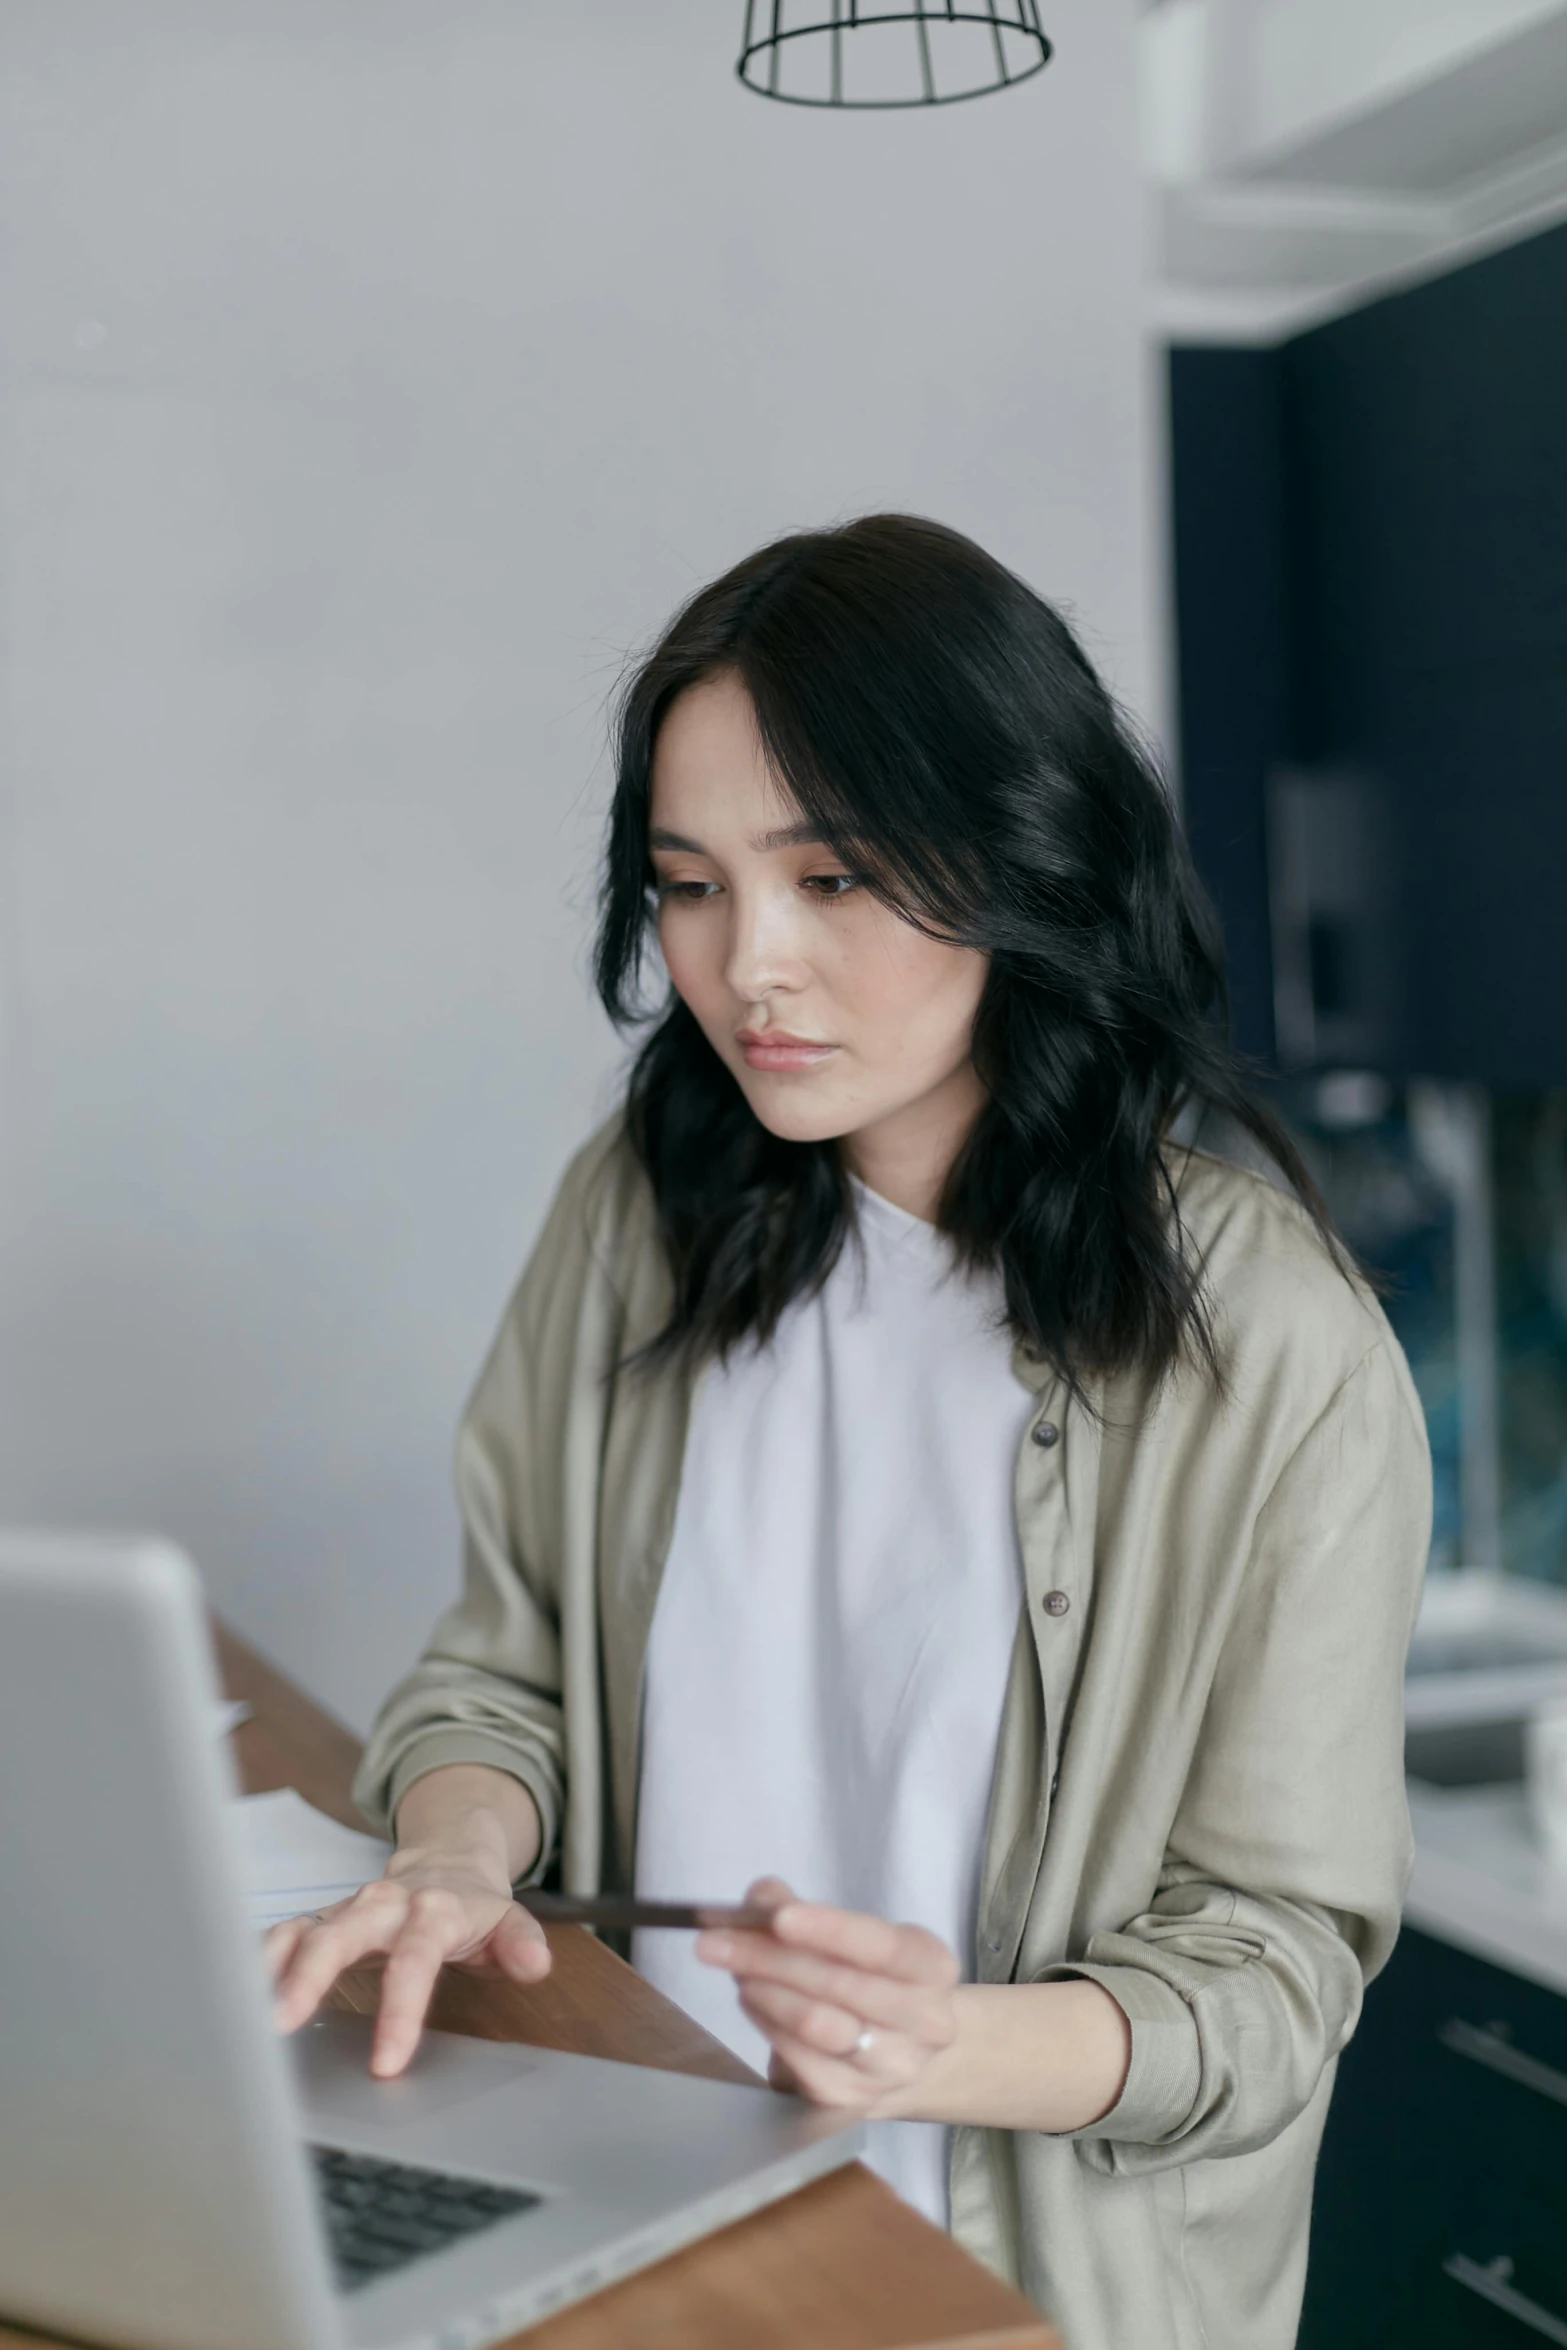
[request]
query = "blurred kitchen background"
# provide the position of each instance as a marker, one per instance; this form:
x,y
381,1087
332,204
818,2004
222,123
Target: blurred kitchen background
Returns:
x,y
1361,278
376,374
1369,524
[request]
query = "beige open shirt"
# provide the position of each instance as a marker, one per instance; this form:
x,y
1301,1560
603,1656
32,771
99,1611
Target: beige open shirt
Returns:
x,y
1198,1796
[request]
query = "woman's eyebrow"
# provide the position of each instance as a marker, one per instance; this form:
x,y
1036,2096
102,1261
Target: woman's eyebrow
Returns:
x,y
791,836
803,835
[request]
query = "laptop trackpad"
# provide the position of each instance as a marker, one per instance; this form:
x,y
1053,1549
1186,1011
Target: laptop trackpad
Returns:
x,y
331,2058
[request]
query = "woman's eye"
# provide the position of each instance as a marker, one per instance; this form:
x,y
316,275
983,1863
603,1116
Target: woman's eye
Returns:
x,y
831,885
685,889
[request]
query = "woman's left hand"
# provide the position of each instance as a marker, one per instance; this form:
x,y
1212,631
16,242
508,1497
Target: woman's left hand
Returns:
x,y
856,2010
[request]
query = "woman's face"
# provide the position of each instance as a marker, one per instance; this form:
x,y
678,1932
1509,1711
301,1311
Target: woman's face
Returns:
x,y
837,1017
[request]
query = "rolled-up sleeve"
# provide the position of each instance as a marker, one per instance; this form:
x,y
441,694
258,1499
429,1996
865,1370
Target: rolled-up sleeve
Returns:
x,y
1290,1851
488,1686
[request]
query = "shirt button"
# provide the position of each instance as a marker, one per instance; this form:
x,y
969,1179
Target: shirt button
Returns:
x,y
1046,1434
1056,1603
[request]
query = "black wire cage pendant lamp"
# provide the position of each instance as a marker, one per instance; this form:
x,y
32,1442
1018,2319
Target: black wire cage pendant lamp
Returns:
x,y
865,53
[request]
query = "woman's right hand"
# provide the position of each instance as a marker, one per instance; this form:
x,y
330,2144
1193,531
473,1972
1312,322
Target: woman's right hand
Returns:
x,y
445,1900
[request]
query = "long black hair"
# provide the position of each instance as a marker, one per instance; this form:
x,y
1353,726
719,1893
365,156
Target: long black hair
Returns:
x,y
943,730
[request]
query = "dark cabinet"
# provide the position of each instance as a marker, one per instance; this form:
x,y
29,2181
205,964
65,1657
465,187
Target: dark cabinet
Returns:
x,y
1441,2209
1371,605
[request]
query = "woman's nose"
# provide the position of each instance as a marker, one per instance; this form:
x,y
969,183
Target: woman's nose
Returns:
x,y
764,945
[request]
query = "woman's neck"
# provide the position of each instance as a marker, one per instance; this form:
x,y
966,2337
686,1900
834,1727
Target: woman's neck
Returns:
x,y
907,1157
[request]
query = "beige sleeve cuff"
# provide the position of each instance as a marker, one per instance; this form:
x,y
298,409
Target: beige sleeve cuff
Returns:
x,y
1165,2074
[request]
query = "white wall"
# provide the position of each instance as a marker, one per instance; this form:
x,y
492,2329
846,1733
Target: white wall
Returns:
x,y
375,374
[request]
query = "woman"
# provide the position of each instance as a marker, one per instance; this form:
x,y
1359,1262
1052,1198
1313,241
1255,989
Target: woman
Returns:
x,y
906,1469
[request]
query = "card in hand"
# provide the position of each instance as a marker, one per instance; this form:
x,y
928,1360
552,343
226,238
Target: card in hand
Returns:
x,y
623,1913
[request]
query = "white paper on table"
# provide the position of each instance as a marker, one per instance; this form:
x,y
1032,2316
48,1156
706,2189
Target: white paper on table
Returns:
x,y
293,1858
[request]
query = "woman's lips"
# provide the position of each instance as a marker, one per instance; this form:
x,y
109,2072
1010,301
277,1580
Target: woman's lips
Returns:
x,y
776,1051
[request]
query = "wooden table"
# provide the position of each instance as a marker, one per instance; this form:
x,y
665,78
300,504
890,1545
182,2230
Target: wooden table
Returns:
x,y
842,2265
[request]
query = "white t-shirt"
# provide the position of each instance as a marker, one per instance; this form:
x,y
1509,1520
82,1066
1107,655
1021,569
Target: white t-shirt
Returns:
x,y
833,1634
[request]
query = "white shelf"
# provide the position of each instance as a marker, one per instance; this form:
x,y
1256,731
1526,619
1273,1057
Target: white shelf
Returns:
x,y
1486,1647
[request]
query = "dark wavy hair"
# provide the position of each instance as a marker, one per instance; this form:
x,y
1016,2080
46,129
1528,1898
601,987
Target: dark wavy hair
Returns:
x,y
942,728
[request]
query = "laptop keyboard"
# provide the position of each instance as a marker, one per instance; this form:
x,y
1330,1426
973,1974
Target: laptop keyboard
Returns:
x,y
380,2215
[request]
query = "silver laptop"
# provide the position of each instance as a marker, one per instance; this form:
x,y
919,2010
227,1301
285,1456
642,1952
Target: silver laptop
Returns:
x,y
172,2175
